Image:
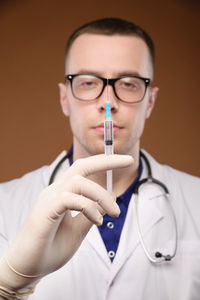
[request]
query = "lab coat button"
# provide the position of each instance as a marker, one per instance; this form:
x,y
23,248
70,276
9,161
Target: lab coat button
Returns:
x,y
110,225
111,254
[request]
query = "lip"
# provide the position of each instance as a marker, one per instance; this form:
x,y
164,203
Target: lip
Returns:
x,y
100,128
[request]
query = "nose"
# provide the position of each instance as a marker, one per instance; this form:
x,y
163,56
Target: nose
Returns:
x,y
107,95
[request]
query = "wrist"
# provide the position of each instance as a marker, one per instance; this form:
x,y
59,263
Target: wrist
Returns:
x,y
8,294
14,281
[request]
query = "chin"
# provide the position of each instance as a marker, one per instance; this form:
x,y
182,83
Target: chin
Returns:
x,y
98,151
94,149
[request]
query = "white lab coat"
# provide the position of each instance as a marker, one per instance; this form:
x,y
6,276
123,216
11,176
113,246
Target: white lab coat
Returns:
x,y
90,275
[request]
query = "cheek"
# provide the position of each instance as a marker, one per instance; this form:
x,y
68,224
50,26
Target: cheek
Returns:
x,y
138,115
137,120
75,119
78,117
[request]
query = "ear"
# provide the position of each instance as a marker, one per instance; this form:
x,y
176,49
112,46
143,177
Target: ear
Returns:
x,y
151,101
63,98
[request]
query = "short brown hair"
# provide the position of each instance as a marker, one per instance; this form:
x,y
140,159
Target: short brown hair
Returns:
x,y
112,26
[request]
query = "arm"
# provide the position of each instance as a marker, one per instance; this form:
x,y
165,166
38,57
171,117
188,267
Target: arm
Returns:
x,y
50,235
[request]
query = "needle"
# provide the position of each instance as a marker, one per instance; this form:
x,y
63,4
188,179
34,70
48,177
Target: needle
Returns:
x,y
108,141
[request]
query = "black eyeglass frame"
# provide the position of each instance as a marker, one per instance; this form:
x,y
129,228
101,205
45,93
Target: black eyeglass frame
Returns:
x,y
108,81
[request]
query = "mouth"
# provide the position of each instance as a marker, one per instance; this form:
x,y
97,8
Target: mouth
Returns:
x,y
100,128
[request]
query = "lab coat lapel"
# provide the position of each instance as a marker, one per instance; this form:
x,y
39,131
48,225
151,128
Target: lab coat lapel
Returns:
x,y
149,215
95,240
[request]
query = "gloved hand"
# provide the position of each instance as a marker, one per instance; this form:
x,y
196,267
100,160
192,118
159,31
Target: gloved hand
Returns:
x,y
50,235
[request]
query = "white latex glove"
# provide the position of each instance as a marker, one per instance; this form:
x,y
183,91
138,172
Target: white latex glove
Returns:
x,y
50,235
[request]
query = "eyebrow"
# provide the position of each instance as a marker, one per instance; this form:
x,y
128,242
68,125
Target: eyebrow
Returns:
x,y
120,74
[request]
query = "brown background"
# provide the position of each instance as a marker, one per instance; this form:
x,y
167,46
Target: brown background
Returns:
x,y
33,34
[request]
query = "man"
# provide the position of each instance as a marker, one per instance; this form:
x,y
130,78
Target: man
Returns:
x,y
134,256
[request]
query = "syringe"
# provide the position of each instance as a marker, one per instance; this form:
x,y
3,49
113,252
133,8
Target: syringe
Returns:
x,y
108,142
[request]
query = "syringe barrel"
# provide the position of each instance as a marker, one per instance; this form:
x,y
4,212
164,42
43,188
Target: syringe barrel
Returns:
x,y
108,134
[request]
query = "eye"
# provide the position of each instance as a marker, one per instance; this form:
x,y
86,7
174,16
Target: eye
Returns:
x,y
88,85
130,84
86,82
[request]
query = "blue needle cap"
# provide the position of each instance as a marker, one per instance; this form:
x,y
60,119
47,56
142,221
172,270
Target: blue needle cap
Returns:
x,y
108,113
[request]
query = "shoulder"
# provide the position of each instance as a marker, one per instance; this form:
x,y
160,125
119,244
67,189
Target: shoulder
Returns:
x,y
16,200
170,174
27,187
28,180
18,196
184,188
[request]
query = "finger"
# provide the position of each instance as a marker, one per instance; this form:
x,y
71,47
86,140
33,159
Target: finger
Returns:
x,y
83,186
78,203
97,163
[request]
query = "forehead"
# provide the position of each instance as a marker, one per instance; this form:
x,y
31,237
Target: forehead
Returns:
x,y
109,56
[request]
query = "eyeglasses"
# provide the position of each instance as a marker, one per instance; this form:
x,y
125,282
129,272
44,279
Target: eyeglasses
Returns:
x,y
130,89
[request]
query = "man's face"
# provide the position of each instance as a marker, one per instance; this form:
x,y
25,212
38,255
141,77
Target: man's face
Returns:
x,y
108,57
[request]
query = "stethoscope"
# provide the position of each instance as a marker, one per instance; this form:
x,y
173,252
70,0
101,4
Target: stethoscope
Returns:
x,y
159,257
